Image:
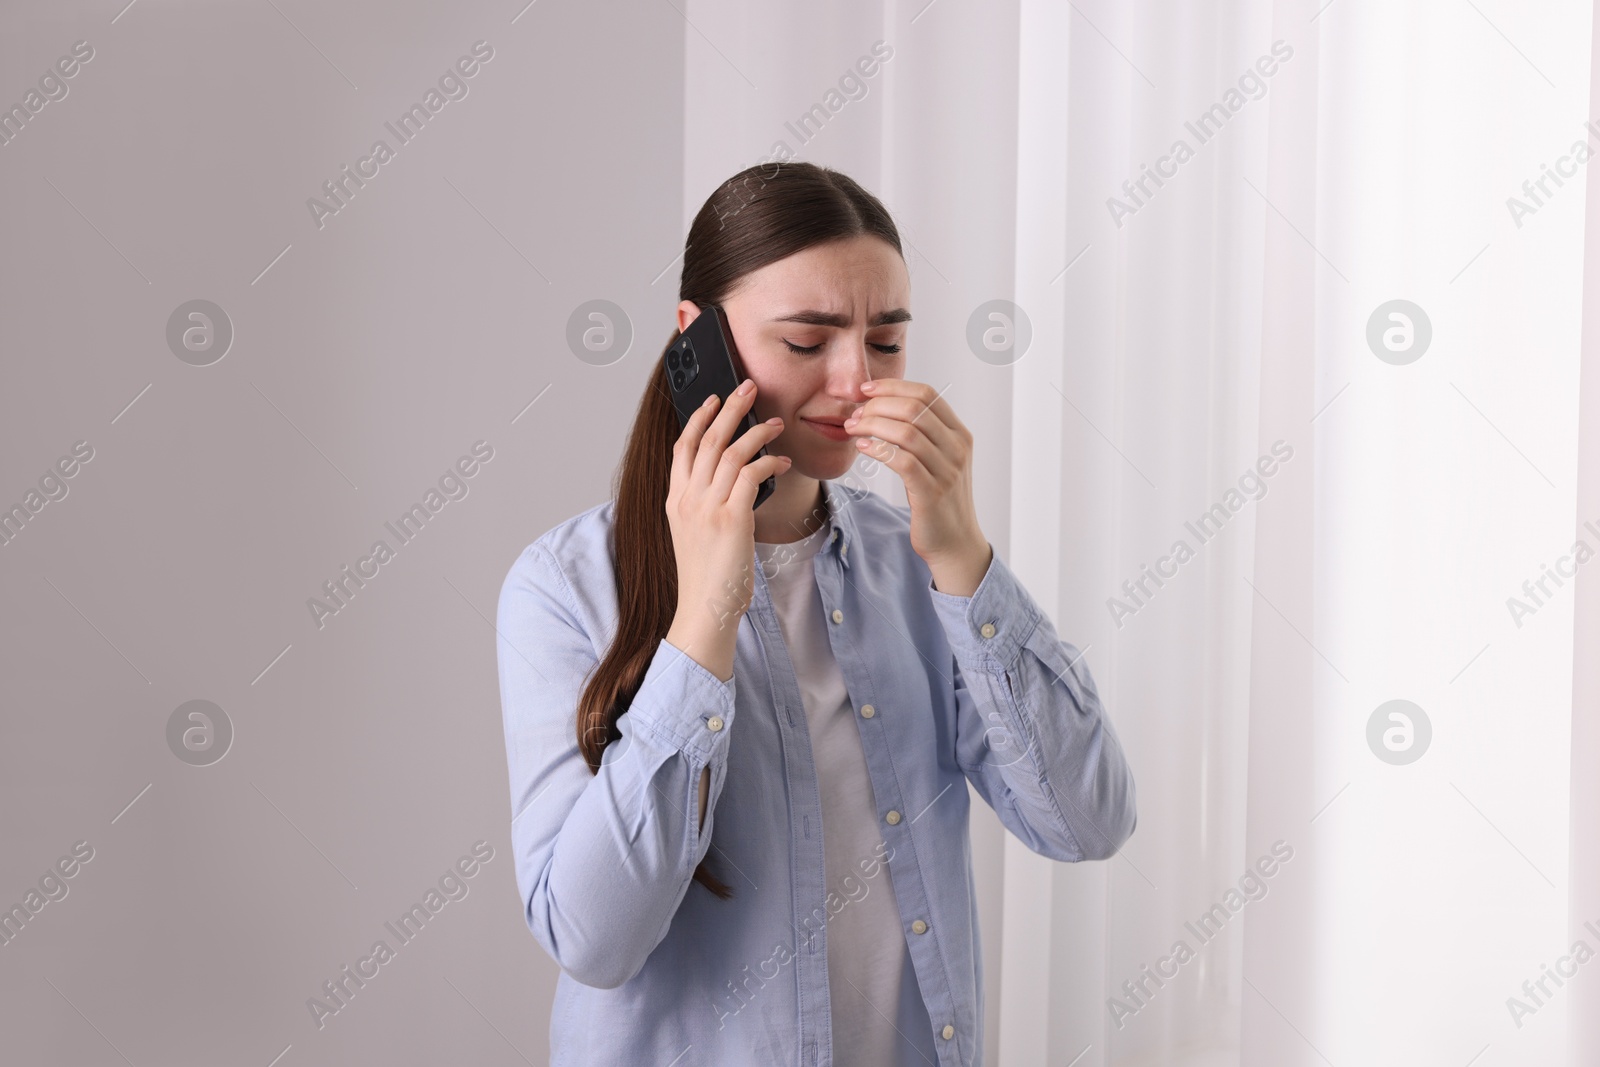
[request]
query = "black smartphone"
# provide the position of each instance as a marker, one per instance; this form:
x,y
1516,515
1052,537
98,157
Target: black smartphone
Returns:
x,y
702,361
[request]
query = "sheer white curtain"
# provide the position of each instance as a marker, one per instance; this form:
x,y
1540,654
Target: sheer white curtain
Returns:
x,y
1212,346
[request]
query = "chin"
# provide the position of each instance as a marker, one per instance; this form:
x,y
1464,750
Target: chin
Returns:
x,y
828,466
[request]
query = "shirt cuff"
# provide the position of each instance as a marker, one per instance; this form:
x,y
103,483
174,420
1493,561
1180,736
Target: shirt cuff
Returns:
x,y
683,704
988,629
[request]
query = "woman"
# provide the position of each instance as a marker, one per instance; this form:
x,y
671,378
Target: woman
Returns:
x,y
739,791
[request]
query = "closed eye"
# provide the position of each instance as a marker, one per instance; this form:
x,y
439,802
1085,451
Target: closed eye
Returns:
x,y
887,350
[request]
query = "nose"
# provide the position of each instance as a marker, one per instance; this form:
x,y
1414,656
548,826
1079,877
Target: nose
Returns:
x,y
847,370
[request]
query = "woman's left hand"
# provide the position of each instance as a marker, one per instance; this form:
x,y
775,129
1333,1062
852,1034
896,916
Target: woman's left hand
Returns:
x,y
931,450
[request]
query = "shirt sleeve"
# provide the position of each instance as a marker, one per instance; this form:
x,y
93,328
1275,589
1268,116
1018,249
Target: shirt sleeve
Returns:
x,y
1031,734
602,860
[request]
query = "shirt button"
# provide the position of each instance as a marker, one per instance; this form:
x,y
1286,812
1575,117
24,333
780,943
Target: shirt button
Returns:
x,y
868,711
948,1031
892,818
714,723
838,616
987,629
919,927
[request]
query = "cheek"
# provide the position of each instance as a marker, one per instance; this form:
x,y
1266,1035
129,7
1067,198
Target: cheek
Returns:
x,y
780,394
768,404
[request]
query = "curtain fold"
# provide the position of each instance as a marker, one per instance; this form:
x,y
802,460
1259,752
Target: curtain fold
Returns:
x,y
1584,837
1044,478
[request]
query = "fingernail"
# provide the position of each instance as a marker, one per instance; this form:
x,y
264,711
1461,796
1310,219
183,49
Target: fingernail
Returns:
x,y
851,421
775,421
747,387
868,387
708,401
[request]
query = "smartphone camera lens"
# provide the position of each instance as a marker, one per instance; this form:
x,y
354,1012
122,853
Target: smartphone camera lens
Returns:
x,y
682,368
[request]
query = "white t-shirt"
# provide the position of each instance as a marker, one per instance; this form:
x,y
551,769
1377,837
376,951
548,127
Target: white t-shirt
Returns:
x,y
872,987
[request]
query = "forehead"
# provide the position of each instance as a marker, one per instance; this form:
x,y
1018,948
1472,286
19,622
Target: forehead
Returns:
x,y
856,276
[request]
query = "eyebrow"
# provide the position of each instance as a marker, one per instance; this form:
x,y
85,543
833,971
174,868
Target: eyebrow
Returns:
x,y
833,318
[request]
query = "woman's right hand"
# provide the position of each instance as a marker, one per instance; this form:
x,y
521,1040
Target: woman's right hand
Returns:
x,y
710,508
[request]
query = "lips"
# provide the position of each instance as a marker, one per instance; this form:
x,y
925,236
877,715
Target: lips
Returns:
x,y
833,431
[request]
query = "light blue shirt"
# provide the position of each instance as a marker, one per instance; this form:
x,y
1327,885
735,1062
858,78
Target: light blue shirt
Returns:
x,y
947,690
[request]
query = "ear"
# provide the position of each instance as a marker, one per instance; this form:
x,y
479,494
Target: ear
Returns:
x,y
688,311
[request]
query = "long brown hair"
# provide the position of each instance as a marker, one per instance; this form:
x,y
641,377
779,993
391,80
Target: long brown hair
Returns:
x,y
762,214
